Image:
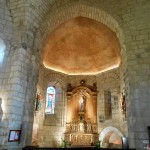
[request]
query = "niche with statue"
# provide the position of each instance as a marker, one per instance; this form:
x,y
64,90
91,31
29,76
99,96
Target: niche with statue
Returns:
x,y
81,119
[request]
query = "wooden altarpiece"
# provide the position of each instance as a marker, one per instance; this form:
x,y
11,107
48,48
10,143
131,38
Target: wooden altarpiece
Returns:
x,y
81,119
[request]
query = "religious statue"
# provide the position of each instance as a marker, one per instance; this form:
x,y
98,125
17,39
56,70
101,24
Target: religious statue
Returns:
x,y
81,127
82,82
69,87
38,102
81,103
123,103
89,127
94,87
73,126
49,101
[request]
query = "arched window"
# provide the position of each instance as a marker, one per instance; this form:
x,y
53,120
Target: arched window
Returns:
x,y
2,48
50,100
55,104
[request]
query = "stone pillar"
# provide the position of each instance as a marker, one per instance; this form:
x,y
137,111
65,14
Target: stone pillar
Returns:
x,y
138,116
94,96
138,96
18,98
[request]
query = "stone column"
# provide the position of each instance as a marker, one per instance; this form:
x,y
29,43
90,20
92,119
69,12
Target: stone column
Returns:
x,y
138,96
19,97
94,96
29,104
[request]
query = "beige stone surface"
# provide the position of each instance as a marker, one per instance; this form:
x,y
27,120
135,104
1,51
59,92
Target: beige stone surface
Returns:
x,y
25,26
81,46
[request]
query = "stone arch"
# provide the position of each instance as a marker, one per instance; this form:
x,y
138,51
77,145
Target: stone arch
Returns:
x,y
55,83
67,12
58,78
56,17
108,131
82,87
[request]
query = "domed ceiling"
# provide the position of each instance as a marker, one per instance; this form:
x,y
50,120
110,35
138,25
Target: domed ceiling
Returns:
x,y
81,46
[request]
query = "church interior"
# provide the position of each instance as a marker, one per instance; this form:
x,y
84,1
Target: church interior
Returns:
x,y
74,73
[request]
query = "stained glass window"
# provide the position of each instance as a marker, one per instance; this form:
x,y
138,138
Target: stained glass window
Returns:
x,y
50,100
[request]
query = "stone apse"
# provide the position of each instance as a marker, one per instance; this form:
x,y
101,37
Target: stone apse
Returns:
x,y
81,119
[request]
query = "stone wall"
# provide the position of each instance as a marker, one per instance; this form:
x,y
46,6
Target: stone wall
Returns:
x,y
132,20
137,32
109,82
5,70
17,77
48,129
23,24
50,134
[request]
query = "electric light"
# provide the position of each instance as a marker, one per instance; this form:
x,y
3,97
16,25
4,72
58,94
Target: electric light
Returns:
x,y
83,73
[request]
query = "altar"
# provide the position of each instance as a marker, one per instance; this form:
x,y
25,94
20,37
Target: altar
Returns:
x,y
81,122
81,139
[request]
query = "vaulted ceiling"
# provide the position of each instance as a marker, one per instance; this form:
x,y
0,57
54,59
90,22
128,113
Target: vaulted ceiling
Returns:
x,y
81,46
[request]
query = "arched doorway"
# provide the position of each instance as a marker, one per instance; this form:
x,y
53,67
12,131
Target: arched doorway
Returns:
x,y
110,137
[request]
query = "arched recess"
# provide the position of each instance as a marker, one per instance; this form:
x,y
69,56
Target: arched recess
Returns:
x,y
57,117
110,134
82,87
55,18
53,76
